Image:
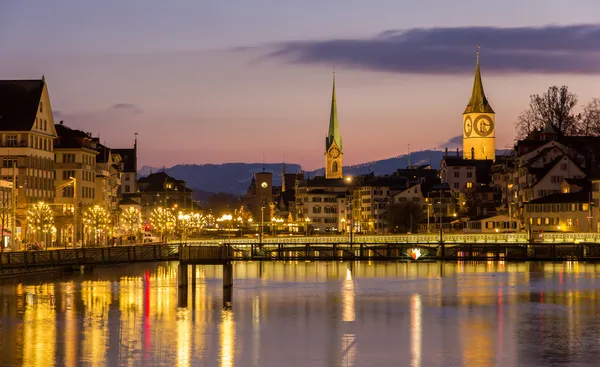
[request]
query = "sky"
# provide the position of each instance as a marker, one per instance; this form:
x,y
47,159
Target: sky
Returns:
x,y
230,81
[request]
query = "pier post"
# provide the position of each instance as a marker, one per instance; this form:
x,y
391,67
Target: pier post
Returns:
x,y
182,285
193,276
227,285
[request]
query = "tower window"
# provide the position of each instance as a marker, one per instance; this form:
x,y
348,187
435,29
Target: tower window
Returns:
x,y
334,167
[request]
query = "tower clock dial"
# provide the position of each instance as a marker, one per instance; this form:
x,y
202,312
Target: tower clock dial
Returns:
x,y
468,126
334,152
483,125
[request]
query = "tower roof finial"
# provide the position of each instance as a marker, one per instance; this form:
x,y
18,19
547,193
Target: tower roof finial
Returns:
x,y
478,102
333,135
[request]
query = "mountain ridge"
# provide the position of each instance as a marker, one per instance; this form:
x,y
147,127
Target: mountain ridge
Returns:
x,y
235,177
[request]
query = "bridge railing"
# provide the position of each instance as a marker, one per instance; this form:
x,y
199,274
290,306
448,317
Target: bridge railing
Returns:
x,y
568,237
397,238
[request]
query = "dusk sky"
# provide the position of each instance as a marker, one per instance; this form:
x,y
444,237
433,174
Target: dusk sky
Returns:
x,y
226,81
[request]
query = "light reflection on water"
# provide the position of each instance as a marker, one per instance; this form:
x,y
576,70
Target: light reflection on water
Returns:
x,y
309,314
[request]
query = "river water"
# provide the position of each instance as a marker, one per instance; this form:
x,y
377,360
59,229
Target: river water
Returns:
x,y
309,314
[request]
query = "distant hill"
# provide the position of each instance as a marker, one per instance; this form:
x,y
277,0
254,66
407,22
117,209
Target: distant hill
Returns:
x,y
235,178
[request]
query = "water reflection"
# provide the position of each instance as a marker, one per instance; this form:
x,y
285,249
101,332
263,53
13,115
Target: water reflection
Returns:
x,y
39,325
309,314
348,311
227,339
416,330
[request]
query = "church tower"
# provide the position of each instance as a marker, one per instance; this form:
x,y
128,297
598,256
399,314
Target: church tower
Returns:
x,y
333,142
479,132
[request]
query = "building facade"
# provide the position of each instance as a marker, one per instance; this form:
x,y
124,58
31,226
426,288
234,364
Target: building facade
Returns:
x,y
26,144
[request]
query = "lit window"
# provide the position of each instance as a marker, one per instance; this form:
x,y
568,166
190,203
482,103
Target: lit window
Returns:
x,y
469,185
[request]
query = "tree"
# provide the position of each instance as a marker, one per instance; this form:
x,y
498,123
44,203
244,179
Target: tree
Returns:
x,y
590,119
132,219
96,219
163,220
403,217
554,106
221,203
40,219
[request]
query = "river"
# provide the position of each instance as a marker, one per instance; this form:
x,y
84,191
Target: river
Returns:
x,y
308,314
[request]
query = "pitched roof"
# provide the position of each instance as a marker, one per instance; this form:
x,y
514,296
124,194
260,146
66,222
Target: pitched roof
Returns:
x,y
68,138
19,102
333,135
129,159
155,182
478,102
574,197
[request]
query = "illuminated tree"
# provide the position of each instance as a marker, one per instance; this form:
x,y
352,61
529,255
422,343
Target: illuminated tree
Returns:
x,y
163,220
40,219
132,220
96,219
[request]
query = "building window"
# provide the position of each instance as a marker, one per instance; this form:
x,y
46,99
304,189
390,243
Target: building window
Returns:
x,y
45,124
456,185
456,174
9,162
67,174
68,158
126,188
67,192
469,185
469,174
334,167
11,140
41,107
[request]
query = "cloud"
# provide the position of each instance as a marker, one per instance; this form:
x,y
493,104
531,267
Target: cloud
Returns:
x,y
454,142
446,50
114,111
126,107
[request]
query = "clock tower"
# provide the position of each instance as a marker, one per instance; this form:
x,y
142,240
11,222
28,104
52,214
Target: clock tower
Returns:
x,y
479,123
333,142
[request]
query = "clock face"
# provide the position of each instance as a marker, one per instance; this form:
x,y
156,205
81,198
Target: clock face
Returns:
x,y
264,185
483,125
334,152
468,126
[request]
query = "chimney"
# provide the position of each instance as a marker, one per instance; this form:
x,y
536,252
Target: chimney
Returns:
x,y
457,153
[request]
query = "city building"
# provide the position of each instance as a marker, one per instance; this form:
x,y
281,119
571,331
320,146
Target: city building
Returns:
x,y
321,204
26,144
161,190
333,143
492,224
129,175
479,141
373,194
562,212
75,182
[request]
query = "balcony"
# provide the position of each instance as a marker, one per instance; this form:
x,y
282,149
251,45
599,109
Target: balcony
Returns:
x,y
101,172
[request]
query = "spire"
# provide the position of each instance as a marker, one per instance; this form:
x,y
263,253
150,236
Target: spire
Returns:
x,y
478,102
334,133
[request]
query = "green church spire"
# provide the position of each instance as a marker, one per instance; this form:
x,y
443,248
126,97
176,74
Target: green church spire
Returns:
x,y
333,135
478,102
